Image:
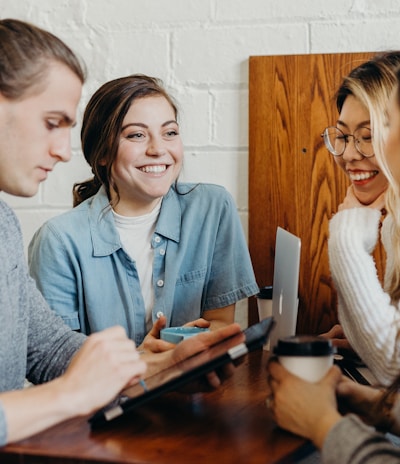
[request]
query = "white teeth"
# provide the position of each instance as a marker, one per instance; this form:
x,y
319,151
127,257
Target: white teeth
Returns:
x,y
153,168
362,175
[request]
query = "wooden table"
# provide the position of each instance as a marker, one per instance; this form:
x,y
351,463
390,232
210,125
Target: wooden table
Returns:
x,y
229,425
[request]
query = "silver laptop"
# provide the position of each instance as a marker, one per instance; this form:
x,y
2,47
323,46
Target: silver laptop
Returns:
x,y
285,284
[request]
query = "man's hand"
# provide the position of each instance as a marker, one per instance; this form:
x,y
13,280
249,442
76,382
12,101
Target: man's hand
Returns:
x,y
107,362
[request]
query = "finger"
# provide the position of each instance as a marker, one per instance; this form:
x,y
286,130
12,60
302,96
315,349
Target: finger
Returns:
x,y
116,332
159,324
335,332
156,345
273,386
213,379
139,371
203,323
276,371
218,335
341,343
332,377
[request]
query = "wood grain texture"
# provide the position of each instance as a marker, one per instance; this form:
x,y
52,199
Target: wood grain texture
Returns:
x,y
293,181
229,425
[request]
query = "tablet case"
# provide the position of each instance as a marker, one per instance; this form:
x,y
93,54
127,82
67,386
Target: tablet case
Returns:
x,y
190,369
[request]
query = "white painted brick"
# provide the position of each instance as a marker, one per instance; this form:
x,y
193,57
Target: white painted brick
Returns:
x,y
220,55
329,37
109,55
224,168
194,115
230,117
136,14
54,16
267,10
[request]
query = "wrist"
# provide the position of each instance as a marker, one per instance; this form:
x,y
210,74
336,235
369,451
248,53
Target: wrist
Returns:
x,y
65,402
384,410
323,427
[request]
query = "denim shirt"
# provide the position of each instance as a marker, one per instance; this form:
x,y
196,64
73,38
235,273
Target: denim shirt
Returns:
x,y
201,262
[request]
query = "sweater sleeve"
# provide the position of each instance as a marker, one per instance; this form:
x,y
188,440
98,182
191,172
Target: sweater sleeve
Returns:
x,y
351,441
371,323
51,343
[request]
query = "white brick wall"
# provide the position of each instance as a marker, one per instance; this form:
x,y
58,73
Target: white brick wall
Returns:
x,y
200,48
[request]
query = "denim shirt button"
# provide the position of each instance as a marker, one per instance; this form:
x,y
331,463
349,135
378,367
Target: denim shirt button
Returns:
x,y
157,239
160,283
162,252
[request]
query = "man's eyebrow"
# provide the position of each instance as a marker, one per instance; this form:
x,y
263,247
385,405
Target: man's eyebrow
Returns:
x,y
64,116
145,126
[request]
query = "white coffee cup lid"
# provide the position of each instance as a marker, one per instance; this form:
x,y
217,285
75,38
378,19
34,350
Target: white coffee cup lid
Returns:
x,y
304,345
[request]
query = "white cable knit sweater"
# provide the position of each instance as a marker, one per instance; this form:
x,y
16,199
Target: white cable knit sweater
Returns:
x,y
369,320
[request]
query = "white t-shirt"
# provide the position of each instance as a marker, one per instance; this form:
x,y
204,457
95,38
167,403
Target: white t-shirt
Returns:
x,y
136,234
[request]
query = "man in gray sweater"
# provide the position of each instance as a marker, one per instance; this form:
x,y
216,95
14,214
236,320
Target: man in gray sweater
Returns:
x,y
40,86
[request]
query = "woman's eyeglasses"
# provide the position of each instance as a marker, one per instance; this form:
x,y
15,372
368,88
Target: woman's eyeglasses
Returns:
x,y
336,141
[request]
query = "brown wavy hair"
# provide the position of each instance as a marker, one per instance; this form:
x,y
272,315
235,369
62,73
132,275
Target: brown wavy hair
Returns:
x,y
101,128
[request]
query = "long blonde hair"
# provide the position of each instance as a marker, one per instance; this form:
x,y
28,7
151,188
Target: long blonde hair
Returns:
x,y
372,83
392,205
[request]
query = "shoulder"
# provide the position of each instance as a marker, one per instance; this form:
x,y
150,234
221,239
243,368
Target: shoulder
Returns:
x,y
11,245
73,216
353,230
7,213
189,192
72,222
211,202
8,219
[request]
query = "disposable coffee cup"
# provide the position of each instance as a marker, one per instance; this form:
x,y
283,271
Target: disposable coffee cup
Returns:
x,y
264,305
307,356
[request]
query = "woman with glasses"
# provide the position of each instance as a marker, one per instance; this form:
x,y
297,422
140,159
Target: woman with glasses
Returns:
x,y
367,312
311,410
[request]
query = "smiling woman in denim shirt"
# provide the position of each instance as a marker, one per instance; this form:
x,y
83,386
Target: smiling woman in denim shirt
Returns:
x,y
138,244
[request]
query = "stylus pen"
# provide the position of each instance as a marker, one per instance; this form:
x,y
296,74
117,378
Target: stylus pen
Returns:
x,y
143,384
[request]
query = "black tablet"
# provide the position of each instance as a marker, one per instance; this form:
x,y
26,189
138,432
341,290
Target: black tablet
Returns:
x,y
174,377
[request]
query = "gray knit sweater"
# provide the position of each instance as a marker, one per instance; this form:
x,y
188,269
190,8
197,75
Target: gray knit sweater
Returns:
x,y
35,343
352,442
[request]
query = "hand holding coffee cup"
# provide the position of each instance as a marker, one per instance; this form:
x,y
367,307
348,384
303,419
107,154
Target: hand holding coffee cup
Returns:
x,y
307,356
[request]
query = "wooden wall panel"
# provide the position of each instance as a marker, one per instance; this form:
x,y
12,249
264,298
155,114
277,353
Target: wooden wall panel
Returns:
x,y
293,180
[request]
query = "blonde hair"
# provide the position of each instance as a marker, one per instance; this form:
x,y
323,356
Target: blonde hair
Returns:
x,y
372,83
393,207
